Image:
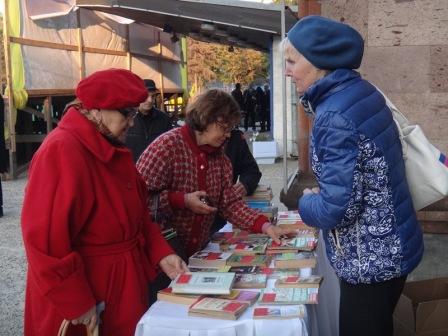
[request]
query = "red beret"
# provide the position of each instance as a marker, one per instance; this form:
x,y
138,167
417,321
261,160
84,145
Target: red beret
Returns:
x,y
111,89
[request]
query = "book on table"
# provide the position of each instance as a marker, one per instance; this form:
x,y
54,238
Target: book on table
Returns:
x,y
279,312
203,283
243,280
208,269
245,245
209,259
277,273
312,281
167,295
242,296
292,245
289,296
248,260
217,308
295,260
239,269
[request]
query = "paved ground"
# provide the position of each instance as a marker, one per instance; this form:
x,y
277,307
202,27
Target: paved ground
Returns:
x,y
13,265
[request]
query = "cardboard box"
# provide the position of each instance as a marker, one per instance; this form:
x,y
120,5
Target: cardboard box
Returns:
x,y
422,309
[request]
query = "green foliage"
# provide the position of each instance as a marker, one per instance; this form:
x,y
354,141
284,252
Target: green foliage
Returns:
x,y
210,61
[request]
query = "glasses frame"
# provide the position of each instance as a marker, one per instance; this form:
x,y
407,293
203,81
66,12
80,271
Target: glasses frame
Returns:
x,y
223,127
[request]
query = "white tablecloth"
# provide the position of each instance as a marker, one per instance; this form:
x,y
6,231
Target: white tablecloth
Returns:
x,y
169,319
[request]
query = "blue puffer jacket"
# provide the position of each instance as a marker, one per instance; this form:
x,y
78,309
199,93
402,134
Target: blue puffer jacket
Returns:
x,y
364,206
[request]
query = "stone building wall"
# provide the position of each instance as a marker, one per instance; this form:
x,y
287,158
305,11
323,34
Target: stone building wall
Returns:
x,y
406,55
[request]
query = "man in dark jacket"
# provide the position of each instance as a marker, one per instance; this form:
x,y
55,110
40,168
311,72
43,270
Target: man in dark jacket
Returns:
x,y
149,123
245,170
237,94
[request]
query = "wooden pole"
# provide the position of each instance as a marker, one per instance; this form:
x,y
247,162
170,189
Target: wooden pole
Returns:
x,y
159,63
306,7
11,121
47,109
82,68
128,48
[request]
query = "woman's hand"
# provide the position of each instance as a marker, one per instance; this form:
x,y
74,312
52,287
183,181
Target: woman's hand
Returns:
x,y
275,232
172,265
194,203
89,318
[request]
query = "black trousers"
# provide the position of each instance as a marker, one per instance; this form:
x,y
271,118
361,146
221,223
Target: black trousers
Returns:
x,y
162,280
367,309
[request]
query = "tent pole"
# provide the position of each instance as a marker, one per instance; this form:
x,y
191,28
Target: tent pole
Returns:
x,y
283,89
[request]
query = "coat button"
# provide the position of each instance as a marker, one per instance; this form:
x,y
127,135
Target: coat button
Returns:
x,y
202,167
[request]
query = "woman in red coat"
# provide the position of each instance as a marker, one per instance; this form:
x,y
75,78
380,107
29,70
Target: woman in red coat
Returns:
x,y
86,228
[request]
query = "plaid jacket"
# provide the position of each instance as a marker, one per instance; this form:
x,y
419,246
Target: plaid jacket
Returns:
x,y
174,165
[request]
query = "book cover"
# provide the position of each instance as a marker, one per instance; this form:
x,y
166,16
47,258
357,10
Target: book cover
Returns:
x,y
203,283
289,296
208,259
312,281
217,308
250,281
242,296
208,269
248,260
279,312
239,269
295,260
276,273
249,245
291,245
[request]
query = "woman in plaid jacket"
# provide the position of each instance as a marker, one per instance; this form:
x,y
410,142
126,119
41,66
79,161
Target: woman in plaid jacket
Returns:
x,y
189,177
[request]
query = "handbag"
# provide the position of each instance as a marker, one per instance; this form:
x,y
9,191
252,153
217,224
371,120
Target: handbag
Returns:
x,y
426,166
66,324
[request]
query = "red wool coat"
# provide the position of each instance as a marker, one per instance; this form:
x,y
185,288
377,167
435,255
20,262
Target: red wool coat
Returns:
x,y
87,233
174,165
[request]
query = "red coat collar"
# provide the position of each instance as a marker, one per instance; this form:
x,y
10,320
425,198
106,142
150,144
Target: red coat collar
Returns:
x,y
188,135
78,125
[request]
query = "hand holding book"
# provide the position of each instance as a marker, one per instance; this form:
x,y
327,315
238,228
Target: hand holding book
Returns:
x,y
276,232
173,265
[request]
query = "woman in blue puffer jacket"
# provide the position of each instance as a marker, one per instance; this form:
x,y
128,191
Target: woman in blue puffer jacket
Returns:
x,y
363,204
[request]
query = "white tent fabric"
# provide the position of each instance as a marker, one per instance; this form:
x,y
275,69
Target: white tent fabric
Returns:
x,y
55,21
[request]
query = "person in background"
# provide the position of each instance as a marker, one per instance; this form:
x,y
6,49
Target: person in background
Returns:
x,y
246,173
3,159
149,123
249,107
260,108
363,204
238,96
267,104
86,227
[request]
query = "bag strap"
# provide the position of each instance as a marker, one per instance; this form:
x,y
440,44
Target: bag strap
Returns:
x,y
400,120
66,324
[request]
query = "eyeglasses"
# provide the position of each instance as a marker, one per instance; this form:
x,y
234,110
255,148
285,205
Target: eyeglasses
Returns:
x,y
128,112
225,127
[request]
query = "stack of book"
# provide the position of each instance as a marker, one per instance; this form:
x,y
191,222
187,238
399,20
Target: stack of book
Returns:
x,y
248,245
167,295
295,281
279,312
203,283
209,259
295,260
289,296
218,308
291,219
261,201
293,245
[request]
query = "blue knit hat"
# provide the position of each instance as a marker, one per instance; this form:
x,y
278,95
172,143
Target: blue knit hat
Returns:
x,y
327,44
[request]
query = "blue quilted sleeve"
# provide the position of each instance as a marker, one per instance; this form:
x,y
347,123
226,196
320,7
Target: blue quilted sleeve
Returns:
x,y
336,148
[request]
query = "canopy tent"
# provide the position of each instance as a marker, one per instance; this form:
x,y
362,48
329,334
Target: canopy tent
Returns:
x,y
242,23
